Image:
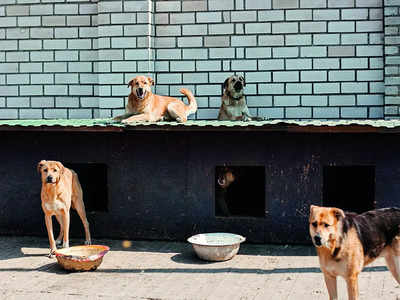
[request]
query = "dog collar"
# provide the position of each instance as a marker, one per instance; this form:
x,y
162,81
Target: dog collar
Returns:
x,y
229,94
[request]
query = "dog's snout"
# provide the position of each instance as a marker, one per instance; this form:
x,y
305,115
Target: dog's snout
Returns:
x,y
140,92
317,240
221,181
49,179
238,85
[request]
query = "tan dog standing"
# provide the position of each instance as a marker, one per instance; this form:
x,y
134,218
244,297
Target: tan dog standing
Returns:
x,y
143,105
61,190
233,106
346,242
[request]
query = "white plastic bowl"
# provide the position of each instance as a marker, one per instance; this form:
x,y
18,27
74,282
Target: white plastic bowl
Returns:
x,y
218,246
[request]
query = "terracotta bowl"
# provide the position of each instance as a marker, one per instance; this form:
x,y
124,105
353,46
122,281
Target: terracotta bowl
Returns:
x,y
217,246
81,258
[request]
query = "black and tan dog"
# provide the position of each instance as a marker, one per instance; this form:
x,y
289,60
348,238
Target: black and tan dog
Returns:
x,y
346,242
234,106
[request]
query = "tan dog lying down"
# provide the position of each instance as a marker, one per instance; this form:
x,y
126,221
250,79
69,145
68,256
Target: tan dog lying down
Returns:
x,y
143,105
61,190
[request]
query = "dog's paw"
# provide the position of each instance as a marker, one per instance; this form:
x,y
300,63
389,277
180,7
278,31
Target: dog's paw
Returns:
x,y
259,118
117,119
52,253
58,242
88,242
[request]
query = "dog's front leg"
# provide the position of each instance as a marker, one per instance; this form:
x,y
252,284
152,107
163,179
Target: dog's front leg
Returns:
x,y
138,118
65,220
61,234
246,117
352,287
331,284
49,227
393,264
124,116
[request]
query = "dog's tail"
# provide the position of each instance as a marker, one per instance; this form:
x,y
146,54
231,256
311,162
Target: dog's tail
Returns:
x,y
192,107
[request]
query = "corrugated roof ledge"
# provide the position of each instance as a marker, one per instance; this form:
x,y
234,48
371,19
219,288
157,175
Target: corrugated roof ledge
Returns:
x,y
270,124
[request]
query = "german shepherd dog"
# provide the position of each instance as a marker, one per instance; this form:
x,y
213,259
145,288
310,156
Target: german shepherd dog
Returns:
x,y
346,242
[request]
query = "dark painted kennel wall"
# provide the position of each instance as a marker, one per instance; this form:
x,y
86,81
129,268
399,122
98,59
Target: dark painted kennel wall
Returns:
x,y
161,183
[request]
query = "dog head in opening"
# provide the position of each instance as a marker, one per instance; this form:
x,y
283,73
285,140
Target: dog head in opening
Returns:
x,y
225,177
141,86
50,171
234,86
325,225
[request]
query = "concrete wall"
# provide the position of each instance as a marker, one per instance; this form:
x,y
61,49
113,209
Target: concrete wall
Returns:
x,y
301,58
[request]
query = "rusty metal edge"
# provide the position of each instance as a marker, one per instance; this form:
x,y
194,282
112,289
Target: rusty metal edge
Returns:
x,y
59,128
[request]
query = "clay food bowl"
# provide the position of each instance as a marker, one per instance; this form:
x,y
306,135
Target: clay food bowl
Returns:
x,y
81,258
218,246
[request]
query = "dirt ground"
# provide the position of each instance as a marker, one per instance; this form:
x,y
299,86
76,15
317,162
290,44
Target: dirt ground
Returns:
x,y
170,270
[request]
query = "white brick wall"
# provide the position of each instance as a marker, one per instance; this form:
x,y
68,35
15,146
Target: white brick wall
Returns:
x,y
392,59
301,58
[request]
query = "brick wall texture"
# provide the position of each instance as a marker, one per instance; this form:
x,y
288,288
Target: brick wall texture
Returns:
x,y
392,58
302,59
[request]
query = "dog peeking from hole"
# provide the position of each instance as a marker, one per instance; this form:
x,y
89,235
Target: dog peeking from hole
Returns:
x,y
240,191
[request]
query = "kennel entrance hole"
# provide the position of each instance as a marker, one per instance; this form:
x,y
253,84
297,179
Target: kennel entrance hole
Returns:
x,y
93,179
245,197
351,188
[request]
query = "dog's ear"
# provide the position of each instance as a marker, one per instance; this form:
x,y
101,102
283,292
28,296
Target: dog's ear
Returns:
x,y
225,85
40,165
312,208
338,213
61,166
130,82
242,79
151,80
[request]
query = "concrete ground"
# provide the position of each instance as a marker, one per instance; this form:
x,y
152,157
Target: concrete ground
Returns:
x,y
170,270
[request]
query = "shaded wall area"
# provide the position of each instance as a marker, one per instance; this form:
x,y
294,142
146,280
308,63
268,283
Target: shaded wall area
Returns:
x,y
161,184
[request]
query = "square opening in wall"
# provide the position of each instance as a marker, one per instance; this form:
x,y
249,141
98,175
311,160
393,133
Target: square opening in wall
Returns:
x,y
240,191
93,179
351,188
